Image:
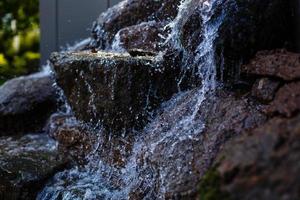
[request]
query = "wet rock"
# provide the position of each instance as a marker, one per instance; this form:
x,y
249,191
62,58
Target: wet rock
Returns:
x,y
129,13
75,139
26,103
287,100
263,164
26,163
140,52
191,33
181,148
264,89
278,63
146,36
115,89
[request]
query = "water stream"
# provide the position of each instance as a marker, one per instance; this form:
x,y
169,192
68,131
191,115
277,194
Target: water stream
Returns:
x,y
100,180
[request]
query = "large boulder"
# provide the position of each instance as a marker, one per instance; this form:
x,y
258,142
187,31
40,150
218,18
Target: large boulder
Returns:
x,y
26,103
262,164
26,163
181,148
117,90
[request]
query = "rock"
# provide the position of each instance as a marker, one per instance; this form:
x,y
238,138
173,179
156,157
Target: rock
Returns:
x,y
248,27
26,103
264,89
287,100
75,140
180,149
26,163
262,164
140,52
245,29
279,64
116,89
146,36
129,13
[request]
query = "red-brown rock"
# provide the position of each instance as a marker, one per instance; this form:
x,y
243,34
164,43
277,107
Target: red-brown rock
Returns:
x,y
263,164
278,63
287,100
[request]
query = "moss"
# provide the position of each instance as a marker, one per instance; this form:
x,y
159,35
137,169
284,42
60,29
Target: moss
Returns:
x,y
210,187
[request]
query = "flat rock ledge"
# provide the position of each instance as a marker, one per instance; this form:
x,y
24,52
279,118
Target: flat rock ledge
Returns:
x,y
117,89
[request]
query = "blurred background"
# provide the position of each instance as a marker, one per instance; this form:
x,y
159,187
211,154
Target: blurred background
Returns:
x,y
19,38
31,29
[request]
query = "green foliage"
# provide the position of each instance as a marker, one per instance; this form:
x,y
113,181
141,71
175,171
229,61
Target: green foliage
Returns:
x,y
19,36
210,187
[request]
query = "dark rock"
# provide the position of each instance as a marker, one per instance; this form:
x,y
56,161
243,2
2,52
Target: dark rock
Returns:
x,y
75,140
26,163
115,89
26,103
278,63
181,149
287,100
129,13
250,26
191,33
264,163
264,89
144,36
140,52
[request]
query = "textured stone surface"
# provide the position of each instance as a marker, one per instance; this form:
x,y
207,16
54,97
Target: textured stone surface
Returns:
x,y
75,140
26,103
115,89
146,36
26,163
245,29
287,100
264,89
182,152
264,163
129,13
278,63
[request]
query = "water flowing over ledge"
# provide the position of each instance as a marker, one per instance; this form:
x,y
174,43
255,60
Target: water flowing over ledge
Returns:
x,y
146,105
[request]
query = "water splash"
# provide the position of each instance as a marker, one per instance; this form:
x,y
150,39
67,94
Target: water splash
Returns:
x,y
100,180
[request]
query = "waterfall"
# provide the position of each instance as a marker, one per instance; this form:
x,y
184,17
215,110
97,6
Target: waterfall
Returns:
x,y
99,180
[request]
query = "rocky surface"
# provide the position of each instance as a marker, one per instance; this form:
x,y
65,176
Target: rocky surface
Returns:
x,y
264,89
287,100
159,134
182,154
175,152
75,140
278,63
249,27
26,163
129,13
26,103
263,164
144,36
245,29
115,89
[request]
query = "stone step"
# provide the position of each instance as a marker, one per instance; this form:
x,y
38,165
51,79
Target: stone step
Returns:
x,y
117,90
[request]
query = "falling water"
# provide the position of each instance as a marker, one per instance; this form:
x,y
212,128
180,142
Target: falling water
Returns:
x,y
99,180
